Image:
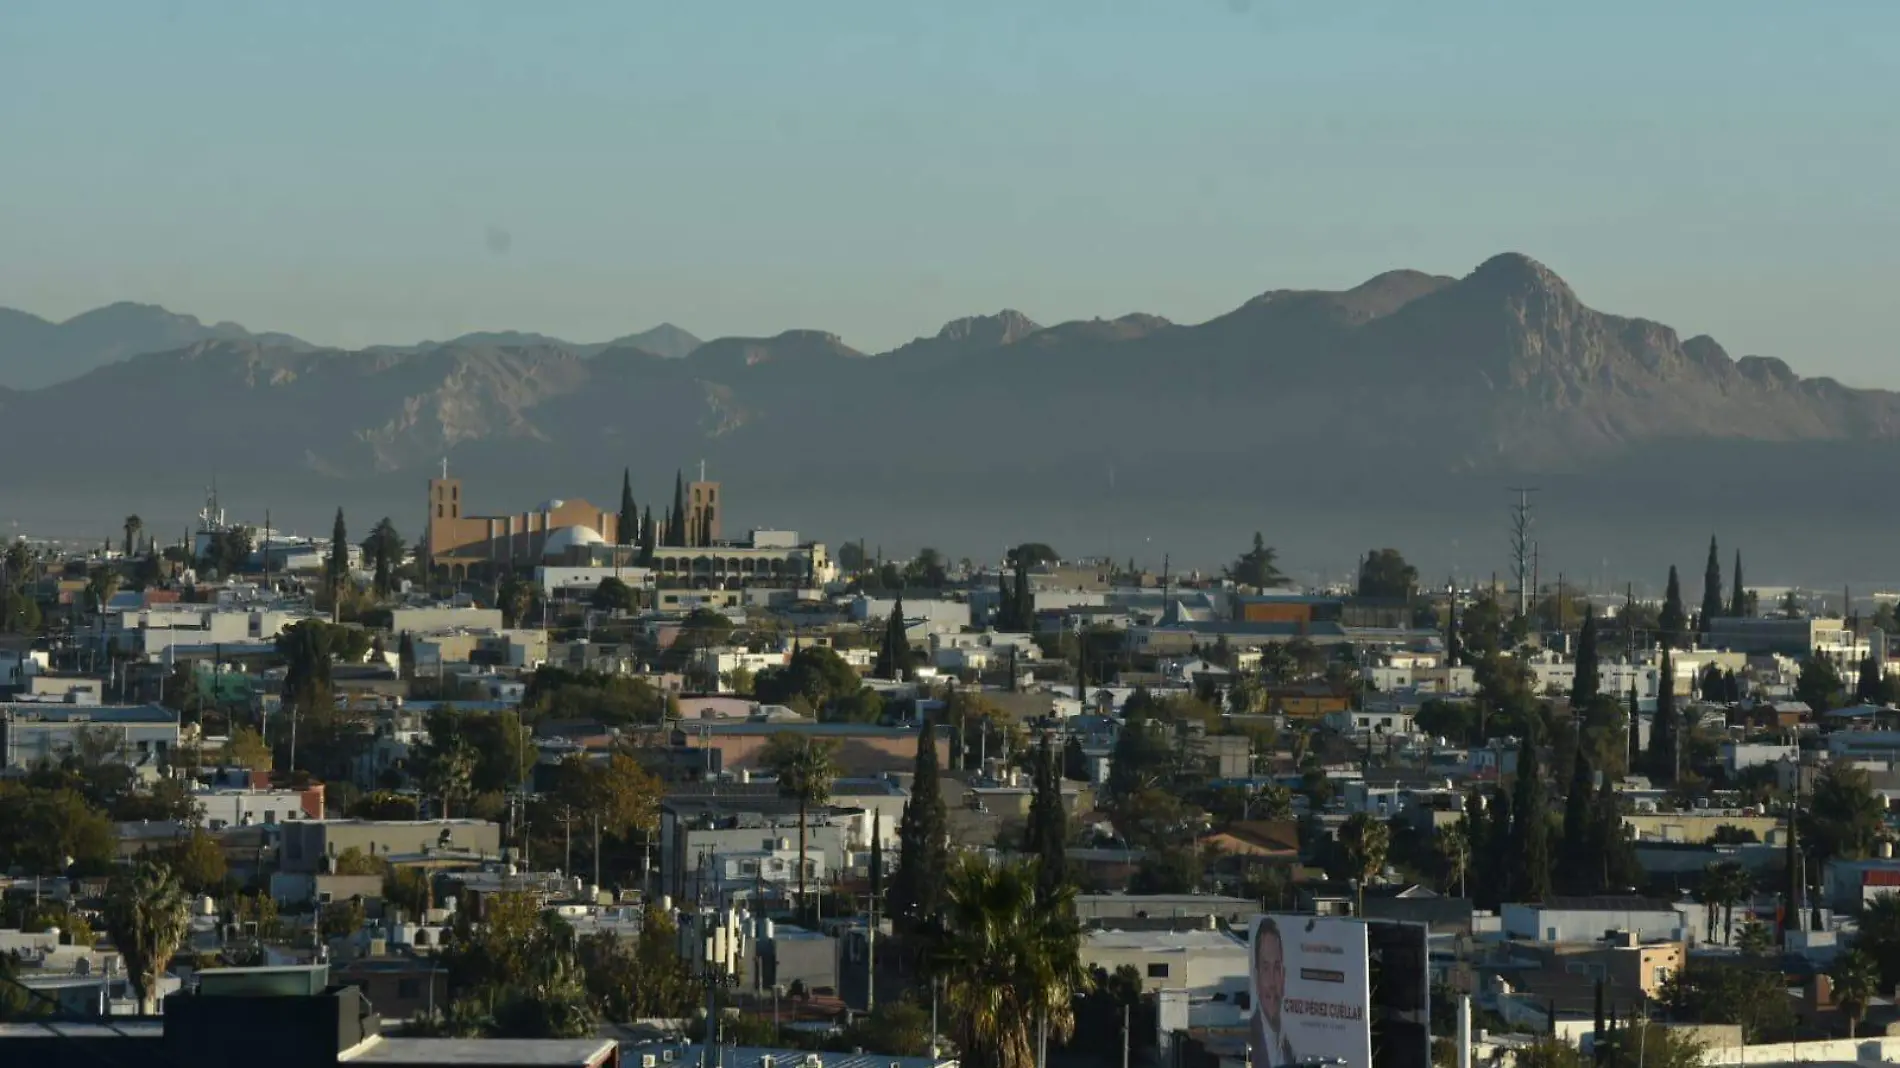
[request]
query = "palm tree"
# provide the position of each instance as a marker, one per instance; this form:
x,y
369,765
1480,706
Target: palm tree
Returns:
x,y
146,914
1009,962
805,774
1454,844
446,772
1723,885
1856,979
1366,841
133,524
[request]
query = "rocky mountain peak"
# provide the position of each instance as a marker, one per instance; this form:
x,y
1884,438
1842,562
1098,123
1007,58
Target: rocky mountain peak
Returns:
x,y
1003,328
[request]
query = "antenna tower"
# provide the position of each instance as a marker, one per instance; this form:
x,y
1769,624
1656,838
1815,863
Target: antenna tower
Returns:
x,y
1522,547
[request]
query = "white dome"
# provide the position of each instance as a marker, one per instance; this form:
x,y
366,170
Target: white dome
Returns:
x,y
566,538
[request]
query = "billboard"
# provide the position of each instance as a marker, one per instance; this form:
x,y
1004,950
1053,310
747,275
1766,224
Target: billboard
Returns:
x,y
1311,992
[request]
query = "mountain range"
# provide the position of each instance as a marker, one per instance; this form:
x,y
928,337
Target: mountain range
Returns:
x,y
1395,412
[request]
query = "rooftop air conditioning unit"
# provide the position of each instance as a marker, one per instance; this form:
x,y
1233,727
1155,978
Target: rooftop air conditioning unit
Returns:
x,y
648,1060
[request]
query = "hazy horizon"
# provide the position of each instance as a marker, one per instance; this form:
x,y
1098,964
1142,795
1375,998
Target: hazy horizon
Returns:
x,y
358,174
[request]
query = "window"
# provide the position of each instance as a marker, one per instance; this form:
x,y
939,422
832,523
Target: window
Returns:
x,y
408,989
1157,971
270,815
438,511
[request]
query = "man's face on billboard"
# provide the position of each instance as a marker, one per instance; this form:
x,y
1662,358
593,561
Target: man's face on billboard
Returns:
x,y
1270,967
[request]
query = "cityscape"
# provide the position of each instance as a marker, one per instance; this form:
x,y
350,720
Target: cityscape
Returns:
x,y
1216,534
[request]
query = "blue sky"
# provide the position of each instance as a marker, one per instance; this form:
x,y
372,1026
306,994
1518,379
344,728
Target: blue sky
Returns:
x,y
359,172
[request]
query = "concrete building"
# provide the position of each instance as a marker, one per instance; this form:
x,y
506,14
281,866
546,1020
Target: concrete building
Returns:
x,y
1202,962
140,735
1587,919
239,808
696,829
312,845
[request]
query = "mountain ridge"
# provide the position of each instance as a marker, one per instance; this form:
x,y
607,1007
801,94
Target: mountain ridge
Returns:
x,y
1409,388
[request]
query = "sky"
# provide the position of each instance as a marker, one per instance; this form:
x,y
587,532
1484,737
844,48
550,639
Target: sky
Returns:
x,y
357,173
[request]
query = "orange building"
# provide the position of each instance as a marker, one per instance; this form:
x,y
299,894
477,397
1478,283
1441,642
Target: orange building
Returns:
x,y
458,544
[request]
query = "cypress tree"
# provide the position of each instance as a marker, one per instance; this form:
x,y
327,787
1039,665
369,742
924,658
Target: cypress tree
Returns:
x,y
628,530
1005,604
1672,620
1579,821
1499,863
1868,688
1712,606
923,846
1588,682
338,567
1045,836
1615,856
1662,729
1530,824
676,522
1738,598
1025,602
893,657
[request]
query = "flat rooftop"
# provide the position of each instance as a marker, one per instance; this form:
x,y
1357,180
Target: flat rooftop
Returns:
x,y
497,1052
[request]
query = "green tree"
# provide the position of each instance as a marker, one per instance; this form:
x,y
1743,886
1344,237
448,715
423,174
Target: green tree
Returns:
x,y
1820,685
1879,936
815,673
245,748
197,861
923,842
49,831
336,567
341,919
1009,962
133,524
805,773
1530,829
1738,603
627,531
1712,608
1664,744
1845,818
1871,686
1856,979
384,549
354,861
1587,685
1674,620
1731,993
1366,841
1046,834
448,771
146,916
1384,573
612,595
1723,884
1453,846
894,659
1257,566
